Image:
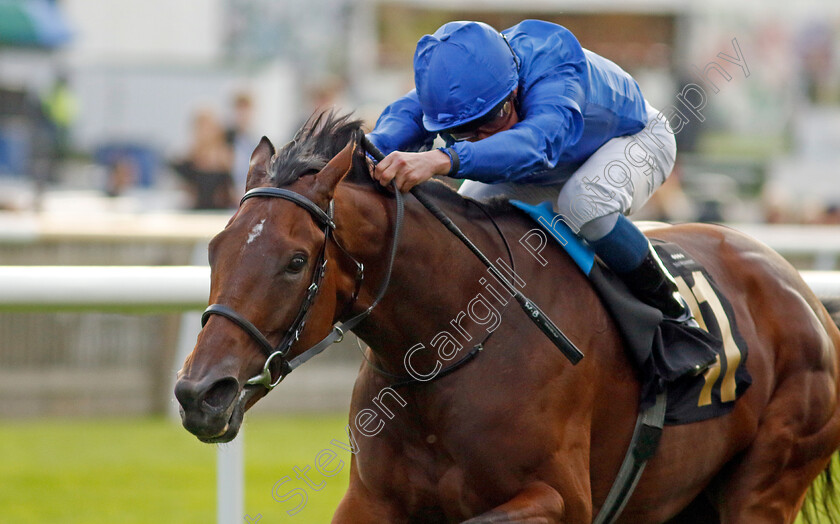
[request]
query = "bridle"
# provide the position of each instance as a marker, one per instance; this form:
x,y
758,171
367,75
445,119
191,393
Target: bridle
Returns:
x,y
325,221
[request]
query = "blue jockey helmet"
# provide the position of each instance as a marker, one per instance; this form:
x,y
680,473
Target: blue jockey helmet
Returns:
x,y
461,72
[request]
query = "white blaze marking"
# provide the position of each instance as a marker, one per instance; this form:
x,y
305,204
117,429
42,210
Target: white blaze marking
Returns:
x,y
256,231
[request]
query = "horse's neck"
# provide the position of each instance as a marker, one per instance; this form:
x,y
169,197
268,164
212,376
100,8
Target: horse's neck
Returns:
x,y
434,276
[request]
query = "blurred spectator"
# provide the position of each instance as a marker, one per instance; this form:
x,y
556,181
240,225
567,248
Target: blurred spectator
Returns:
x,y
777,204
206,169
143,159
689,135
830,215
816,48
324,94
20,112
121,177
59,110
240,139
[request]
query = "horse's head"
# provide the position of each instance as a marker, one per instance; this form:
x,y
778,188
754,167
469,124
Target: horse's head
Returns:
x,y
264,265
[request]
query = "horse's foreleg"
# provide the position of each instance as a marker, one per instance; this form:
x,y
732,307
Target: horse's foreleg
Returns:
x,y
537,503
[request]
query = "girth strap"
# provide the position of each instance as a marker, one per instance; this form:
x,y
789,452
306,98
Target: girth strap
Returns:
x,y
642,447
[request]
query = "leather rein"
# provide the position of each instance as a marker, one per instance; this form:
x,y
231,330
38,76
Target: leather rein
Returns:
x,y
645,438
325,221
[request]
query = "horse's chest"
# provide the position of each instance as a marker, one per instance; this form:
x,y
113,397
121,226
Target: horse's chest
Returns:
x,y
434,480
450,477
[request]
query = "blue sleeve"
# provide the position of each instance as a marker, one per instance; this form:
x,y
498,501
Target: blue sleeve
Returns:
x,y
551,101
400,127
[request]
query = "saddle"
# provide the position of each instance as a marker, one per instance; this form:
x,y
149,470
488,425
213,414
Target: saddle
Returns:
x,y
700,369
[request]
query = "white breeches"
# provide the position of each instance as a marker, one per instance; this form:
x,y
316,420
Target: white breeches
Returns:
x,y
619,177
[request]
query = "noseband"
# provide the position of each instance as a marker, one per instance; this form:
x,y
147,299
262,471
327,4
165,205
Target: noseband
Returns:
x,y
324,219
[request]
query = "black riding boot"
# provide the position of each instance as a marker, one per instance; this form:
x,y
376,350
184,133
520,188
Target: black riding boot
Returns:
x,y
653,284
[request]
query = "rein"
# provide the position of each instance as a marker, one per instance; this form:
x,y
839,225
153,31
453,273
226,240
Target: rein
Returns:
x,y
403,381
537,316
644,440
325,220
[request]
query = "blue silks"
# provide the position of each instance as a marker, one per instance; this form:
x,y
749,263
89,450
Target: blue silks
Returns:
x,y
570,102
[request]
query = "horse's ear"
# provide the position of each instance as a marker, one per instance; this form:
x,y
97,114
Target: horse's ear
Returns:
x,y
258,168
335,170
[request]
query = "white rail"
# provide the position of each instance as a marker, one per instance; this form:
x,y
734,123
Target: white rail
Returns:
x,y
145,289
28,228
132,289
820,241
824,283
95,288
173,288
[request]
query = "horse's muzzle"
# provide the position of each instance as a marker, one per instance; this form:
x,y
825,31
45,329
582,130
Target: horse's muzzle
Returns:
x,y
212,410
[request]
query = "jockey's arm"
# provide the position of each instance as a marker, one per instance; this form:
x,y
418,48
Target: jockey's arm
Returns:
x,y
553,90
551,99
551,122
400,127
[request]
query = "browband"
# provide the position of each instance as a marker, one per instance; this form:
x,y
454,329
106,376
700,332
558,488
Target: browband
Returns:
x,y
322,217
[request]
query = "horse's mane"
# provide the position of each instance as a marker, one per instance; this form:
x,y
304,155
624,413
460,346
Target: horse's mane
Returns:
x,y
320,138
324,135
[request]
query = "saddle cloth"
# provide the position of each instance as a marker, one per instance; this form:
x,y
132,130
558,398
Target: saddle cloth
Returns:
x,y
667,354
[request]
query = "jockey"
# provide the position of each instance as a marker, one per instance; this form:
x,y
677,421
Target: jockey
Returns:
x,y
529,114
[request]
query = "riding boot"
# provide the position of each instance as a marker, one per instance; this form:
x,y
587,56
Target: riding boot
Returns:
x,y
627,251
653,284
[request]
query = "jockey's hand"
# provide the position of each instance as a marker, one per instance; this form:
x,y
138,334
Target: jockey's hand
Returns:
x,y
409,169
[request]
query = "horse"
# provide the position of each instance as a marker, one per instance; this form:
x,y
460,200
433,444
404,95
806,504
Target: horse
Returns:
x,y
515,432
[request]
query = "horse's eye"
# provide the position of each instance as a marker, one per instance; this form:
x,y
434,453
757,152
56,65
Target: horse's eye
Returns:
x,y
296,264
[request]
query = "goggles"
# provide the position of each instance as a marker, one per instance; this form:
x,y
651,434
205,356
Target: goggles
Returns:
x,y
490,123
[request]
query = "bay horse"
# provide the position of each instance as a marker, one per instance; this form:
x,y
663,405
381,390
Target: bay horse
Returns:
x,y
517,433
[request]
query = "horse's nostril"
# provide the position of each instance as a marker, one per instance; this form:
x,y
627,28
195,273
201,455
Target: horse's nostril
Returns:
x,y
186,393
221,394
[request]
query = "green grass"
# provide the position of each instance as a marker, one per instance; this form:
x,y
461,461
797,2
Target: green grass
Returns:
x,y
153,471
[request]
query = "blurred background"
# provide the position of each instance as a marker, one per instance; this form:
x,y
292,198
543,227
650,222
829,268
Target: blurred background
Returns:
x,y
125,133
